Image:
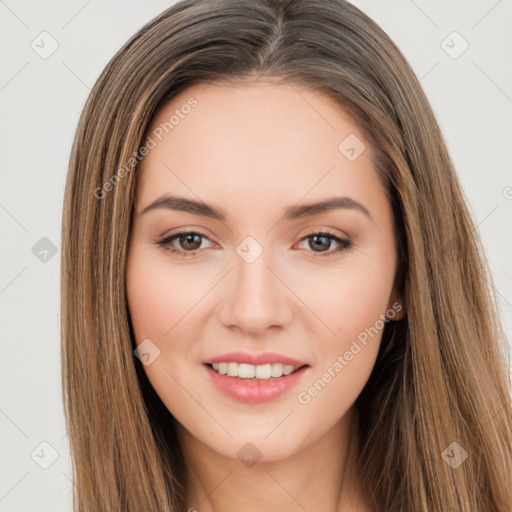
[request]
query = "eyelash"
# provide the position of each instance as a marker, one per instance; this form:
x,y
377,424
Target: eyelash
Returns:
x,y
344,244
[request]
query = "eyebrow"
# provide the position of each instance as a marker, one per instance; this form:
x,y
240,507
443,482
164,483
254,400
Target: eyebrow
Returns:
x,y
294,212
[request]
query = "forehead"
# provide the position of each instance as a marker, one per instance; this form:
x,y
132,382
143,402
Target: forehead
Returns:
x,y
261,109
241,141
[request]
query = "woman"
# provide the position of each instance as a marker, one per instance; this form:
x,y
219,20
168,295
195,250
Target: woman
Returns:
x,y
215,355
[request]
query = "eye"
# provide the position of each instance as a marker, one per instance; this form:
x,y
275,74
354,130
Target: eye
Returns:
x,y
191,241
320,239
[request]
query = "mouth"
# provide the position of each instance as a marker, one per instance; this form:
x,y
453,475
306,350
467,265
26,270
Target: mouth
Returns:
x,y
262,372
254,384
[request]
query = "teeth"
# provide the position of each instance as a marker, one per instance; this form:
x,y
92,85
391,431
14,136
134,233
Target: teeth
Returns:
x,y
245,371
277,370
249,371
232,370
263,371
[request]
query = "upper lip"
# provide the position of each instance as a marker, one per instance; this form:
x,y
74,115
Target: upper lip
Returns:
x,y
255,359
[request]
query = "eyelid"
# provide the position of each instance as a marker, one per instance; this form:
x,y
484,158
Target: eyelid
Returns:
x,y
322,229
186,230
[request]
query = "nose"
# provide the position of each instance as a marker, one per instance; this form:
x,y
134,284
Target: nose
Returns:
x,y
256,297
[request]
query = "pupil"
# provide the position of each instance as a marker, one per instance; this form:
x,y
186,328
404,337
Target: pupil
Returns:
x,y
189,239
324,238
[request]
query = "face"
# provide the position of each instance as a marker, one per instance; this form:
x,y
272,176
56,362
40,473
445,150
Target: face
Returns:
x,y
257,278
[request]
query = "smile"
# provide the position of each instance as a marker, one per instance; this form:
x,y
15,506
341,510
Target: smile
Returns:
x,y
249,371
258,388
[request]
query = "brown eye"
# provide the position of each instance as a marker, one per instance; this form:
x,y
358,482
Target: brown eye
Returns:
x,y
318,242
184,243
190,241
321,242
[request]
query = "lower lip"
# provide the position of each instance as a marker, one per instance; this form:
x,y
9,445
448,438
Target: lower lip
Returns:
x,y
255,391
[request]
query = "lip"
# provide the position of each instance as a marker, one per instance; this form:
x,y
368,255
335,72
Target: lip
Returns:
x,y
255,359
255,391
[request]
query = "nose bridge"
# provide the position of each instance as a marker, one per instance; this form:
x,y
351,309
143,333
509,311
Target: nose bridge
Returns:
x,y
256,298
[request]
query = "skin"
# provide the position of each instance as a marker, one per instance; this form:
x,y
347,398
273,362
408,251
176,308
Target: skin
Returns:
x,y
252,150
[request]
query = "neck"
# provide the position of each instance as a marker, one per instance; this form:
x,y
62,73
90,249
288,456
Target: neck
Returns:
x,y
321,476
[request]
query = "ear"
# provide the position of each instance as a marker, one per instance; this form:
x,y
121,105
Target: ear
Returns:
x,y
396,307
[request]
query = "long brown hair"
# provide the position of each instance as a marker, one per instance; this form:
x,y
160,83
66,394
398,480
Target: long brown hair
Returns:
x,y
440,376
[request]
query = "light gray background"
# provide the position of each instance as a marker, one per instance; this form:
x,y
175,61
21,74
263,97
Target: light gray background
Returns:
x,y
40,102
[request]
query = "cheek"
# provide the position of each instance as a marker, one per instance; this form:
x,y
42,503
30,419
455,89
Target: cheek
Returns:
x,y
160,294
166,303
352,305
345,359
144,291
158,312
349,300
